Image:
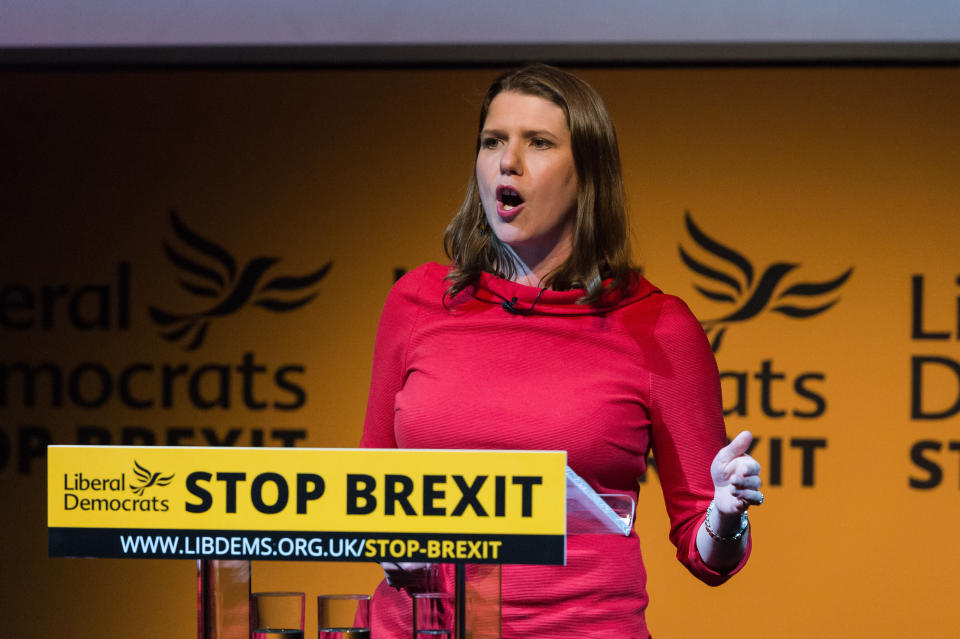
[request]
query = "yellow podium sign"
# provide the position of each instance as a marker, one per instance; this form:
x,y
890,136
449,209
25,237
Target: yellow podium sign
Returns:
x,y
307,504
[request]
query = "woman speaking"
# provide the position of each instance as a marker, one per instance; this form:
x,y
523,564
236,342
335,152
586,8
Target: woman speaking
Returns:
x,y
540,335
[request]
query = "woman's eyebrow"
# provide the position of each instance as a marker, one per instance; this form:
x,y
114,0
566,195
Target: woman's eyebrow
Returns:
x,y
528,133
539,133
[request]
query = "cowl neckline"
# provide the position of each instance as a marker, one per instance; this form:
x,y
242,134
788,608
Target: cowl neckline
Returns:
x,y
521,299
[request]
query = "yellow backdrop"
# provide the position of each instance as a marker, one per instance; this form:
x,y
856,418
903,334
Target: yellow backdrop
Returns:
x,y
816,210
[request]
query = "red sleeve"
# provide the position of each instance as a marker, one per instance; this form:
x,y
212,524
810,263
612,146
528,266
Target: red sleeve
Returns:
x,y
687,430
389,359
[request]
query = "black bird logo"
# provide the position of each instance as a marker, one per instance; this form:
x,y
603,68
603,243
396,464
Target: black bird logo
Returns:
x,y
799,300
149,479
211,272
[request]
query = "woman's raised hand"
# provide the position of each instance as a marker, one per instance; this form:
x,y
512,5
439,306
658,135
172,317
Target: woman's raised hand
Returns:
x,y
736,477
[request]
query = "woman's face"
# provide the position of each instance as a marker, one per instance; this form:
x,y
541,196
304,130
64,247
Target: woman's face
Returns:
x,y
527,177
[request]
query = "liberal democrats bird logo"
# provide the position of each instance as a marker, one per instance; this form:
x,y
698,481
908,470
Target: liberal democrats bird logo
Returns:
x,y
209,271
735,285
147,479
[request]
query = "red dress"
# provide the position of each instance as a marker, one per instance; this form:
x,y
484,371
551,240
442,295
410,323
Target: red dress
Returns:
x,y
608,383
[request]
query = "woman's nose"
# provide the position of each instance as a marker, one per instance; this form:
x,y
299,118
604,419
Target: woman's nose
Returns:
x,y
511,162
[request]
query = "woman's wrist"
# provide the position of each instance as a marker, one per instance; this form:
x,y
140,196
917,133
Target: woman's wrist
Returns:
x,y
725,528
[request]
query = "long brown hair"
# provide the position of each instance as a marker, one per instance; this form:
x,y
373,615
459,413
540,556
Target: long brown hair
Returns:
x,y
600,243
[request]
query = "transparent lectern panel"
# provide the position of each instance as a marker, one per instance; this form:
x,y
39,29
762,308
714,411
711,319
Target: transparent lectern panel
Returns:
x,y
482,601
223,605
592,513
225,586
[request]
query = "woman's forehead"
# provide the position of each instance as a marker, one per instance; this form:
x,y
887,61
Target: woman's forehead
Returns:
x,y
514,109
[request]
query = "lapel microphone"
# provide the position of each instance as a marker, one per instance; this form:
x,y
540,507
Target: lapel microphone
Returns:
x,y
510,305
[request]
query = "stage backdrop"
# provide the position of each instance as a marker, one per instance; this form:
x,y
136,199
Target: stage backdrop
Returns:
x,y
199,257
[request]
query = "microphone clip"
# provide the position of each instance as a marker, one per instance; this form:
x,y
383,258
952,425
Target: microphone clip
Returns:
x,y
508,306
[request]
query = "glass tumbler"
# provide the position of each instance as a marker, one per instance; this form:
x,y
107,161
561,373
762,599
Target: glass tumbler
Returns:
x,y
433,614
276,615
343,617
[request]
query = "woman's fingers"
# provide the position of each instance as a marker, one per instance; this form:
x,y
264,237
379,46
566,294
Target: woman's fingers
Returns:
x,y
751,482
751,497
736,476
739,446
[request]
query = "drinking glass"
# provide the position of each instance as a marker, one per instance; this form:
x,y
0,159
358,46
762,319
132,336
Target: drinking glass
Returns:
x,y
343,617
433,614
277,615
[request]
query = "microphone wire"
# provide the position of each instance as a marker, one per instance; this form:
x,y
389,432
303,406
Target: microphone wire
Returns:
x,y
510,305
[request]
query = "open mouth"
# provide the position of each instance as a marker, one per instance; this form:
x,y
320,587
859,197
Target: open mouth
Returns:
x,y
508,198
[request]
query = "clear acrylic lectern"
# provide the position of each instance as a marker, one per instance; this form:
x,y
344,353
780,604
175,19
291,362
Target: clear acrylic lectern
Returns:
x,y
223,587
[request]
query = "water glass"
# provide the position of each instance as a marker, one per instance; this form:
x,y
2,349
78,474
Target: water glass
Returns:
x,y
433,615
277,615
343,617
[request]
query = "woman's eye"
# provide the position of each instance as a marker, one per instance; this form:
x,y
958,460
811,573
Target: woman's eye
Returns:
x,y
540,143
489,143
